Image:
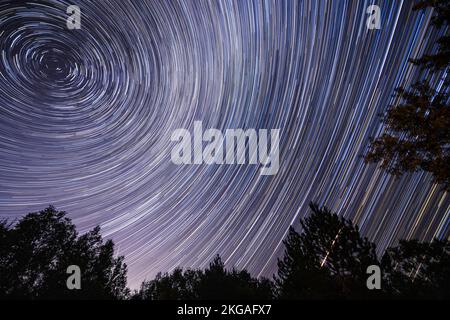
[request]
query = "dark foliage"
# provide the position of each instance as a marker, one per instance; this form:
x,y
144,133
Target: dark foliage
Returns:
x,y
329,259
213,283
440,60
418,136
417,126
417,270
35,254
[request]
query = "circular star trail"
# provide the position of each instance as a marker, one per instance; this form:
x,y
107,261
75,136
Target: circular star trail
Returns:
x,y
86,118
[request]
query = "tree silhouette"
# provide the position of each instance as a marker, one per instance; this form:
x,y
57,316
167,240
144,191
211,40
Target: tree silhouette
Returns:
x,y
36,252
417,126
233,285
178,285
440,60
418,270
213,283
327,260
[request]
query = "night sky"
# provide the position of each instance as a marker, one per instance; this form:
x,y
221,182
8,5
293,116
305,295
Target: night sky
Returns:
x,y
86,118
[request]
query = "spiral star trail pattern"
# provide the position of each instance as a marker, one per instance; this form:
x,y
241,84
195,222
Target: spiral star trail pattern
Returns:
x,y
86,118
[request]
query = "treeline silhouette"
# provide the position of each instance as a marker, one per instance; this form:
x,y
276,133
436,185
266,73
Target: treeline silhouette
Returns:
x,y
327,260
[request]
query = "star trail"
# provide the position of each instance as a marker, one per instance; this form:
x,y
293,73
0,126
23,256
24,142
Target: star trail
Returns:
x,y
86,118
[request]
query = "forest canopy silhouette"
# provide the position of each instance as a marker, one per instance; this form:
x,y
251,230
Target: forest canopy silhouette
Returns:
x,y
328,259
